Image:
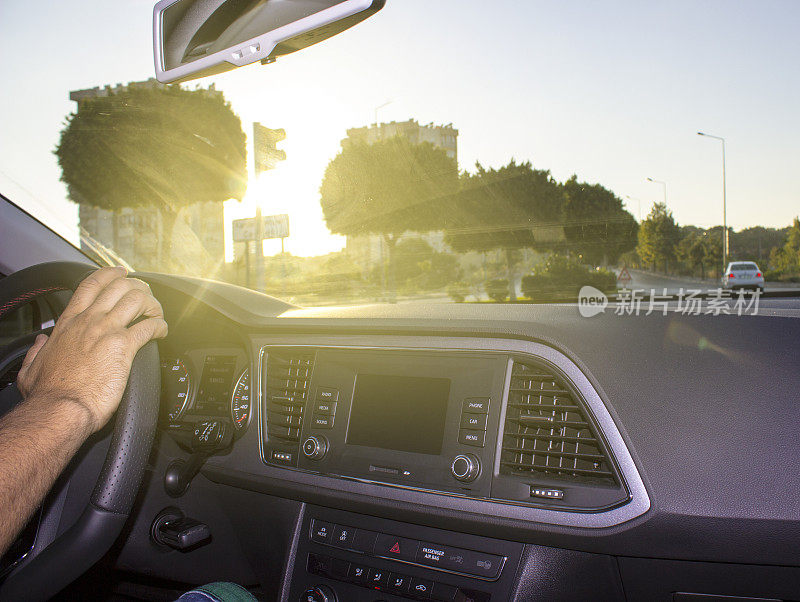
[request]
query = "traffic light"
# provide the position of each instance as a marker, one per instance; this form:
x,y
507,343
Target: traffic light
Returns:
x,y
265,153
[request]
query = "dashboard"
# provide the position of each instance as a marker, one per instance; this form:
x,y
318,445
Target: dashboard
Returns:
x,y
484,454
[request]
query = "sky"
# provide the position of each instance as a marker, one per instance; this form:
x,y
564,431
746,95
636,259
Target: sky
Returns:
x,y
613,92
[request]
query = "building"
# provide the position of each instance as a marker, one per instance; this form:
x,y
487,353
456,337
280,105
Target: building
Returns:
x,y
441,136
368,250
138,234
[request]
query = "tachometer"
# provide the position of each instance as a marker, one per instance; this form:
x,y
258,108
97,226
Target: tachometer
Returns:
x,y
175,387
240,401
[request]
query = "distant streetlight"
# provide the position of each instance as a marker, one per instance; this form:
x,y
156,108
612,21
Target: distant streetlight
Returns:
x,y
664,184
638,203
379,107
725,242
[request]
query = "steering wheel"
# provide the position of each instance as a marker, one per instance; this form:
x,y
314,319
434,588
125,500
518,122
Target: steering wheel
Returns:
x,y
44,572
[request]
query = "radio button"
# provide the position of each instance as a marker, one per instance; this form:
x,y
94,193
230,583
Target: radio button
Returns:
x,y
465,467
473,421
321,421
401,548
473,438
477,405
325,407
327,394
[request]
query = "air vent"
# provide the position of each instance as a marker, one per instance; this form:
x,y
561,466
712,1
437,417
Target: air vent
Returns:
x,y
549,436
287,380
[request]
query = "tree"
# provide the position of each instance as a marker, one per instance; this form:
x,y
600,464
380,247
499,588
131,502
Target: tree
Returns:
x,y
596,225
510,208
786,259
387,188
756,243
658,235
419,267
153,146
693,250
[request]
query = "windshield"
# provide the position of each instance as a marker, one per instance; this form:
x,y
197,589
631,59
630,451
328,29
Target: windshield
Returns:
x,y
457,151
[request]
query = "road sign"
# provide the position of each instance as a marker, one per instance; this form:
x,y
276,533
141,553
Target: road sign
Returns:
x,y
624,277
272,226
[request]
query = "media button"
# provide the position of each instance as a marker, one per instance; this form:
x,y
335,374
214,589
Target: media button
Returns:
x,y
473,421
327,394
390,546
321,532
477,405
343,536
421,588
471,437
325,407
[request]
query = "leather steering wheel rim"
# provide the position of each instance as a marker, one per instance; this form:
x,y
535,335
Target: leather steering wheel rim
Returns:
x,y
102,520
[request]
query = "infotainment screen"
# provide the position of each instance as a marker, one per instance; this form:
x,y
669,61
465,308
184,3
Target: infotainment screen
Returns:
x,y
402,413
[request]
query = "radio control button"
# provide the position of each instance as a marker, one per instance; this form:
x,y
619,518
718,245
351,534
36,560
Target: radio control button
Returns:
x,y
471,437
401,548
477,405
465,467
321,421
325,407
473,421
315,447
327,394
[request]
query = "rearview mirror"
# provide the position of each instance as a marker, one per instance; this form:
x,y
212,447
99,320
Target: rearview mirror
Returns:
x,y
195,38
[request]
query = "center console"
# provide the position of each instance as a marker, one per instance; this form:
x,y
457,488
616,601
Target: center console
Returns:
x,y
407,419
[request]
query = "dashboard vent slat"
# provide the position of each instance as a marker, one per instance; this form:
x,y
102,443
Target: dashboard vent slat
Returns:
x,y
549,433
288,378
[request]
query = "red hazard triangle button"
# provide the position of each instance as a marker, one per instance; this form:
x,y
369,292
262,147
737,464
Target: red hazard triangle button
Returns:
x,y
392,546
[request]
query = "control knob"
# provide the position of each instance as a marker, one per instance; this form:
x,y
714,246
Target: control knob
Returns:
x,y
318,593
465,467
315,447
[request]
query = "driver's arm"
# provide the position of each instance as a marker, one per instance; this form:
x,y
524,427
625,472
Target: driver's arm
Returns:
x,y
71,383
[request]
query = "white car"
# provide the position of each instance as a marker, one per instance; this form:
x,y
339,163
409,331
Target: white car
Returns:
x,y
743,274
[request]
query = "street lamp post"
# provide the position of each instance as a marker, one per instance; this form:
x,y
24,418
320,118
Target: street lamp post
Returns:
x,y
663,184
725,242
638,203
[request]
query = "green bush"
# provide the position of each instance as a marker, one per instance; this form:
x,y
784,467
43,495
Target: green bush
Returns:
x,y
458,291
497,290
561,276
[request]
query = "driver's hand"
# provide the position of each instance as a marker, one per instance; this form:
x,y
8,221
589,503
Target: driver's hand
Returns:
x,y
87,358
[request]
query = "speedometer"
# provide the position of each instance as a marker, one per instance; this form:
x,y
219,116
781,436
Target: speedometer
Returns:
x,y
175,387
240,401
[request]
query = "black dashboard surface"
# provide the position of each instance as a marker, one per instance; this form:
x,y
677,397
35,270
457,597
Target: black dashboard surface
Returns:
x,y
707,406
